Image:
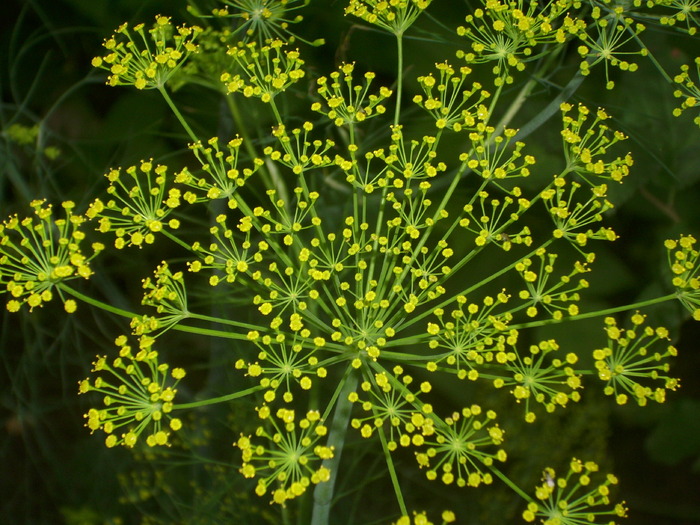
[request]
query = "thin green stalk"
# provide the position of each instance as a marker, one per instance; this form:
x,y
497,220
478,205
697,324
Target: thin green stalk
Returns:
x,y
520,492
177,113
399,79
130,315
221,399
323,493
392,473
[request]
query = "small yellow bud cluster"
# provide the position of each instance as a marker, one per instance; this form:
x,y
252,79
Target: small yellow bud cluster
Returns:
x,y
136,399
584,141
139,207
421,518
683,262
222,178
689,91
149,60
394,16
263,20
628,365
299,153
392,401
575,498
284,363
290,460
166,293
459,446
684,14
226,254
472,335
541,378
494,158
614,31
558,298
447,100
267,70
347,103
503,33
490,222
574,218
37,253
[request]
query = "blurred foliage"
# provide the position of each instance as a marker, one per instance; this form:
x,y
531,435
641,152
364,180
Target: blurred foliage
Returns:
x,y
72,129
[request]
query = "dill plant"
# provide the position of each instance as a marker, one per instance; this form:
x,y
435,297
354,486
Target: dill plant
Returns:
x,y
353,255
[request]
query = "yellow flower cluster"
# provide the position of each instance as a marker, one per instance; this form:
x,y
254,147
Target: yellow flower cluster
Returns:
x,y
584,141
683,262
136,398
141,203
575,498
150,59
347,103
38,253
223,176
688,90
289,462
395,16
628,364
447,100
507,33
266,70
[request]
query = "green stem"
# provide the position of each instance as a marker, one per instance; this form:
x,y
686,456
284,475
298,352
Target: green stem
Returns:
x,y
399,79
520,492
598,313
323,493
177,113
130,315
392,473
221,399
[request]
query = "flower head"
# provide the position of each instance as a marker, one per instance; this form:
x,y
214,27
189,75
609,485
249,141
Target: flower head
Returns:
x,y
630,366
395,16
144,58
290,460
579,496
37,253
688,90
140,204
266,70
137,396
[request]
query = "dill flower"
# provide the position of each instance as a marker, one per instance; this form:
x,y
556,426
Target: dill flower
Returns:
x,y
395,16
222,174
140,204
585,140
688,90
38,253
167,294
347,103
580,496
448,102
136,396
507,33
628,365
614,31
457,448
144,58
267,70
290,460
263,20
683,262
